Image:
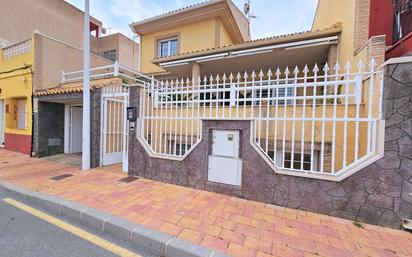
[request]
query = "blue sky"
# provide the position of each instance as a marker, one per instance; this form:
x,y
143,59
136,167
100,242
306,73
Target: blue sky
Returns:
x,y
274,17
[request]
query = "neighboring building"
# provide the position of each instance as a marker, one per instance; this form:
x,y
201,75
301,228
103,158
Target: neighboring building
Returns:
x,y
374,21
16,79
36,50
55,18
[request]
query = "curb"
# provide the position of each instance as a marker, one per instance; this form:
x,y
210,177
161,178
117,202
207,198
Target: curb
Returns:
x,y
157,243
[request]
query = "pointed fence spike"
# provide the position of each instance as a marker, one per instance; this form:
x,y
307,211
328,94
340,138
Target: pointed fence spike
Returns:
x,y
245,76
372,65
296,70
238,75
269,73
337,67
315,68
231,76
326,67
224,77
305,69
278,73
287,72
348,67
253,74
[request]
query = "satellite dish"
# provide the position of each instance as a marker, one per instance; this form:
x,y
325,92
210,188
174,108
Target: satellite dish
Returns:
x,y
104,31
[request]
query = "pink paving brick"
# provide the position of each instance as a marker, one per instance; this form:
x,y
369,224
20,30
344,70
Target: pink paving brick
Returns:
x,y
220,222
239,250
216,243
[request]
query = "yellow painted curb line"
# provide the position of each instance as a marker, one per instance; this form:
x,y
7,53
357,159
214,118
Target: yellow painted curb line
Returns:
x,y
72,229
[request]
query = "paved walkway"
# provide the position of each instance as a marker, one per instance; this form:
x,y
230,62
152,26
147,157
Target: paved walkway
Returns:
x,y
236,226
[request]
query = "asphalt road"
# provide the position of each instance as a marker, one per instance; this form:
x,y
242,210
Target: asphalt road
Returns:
x,y
24,235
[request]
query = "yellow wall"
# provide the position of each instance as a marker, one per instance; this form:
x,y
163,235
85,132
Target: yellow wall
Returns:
x,y
225,38
331,11
193,36
14,85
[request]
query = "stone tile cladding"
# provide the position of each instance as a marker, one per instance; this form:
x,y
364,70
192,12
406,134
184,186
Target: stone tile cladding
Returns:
x,y
46,123
379,194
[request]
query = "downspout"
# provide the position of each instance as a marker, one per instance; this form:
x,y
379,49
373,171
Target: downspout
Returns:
x,y
32,116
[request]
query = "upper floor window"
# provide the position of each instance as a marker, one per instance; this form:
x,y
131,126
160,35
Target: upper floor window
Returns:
x,y
167,47
110,55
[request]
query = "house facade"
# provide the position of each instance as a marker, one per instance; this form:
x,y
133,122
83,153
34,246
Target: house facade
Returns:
x,y
35,53
207,25
315,120
300,128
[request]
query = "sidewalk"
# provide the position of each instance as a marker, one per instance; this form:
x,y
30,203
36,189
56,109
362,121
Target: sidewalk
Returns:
x,y
235,226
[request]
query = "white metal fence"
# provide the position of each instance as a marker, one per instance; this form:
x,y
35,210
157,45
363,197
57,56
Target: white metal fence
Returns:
x,y
321,120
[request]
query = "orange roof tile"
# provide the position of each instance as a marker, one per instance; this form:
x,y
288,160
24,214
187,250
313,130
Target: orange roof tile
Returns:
x,y
77,87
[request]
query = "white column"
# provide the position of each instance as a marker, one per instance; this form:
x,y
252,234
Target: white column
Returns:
x,y
86,89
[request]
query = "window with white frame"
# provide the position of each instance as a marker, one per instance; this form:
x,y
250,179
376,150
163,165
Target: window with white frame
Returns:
x,y
21,114
181,149
280,93
297,160
110,55
167,47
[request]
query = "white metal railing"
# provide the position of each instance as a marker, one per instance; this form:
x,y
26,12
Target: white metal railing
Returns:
x,y
112,70
308,122
16,49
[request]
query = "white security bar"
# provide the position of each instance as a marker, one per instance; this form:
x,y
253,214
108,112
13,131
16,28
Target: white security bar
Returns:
x,y
319,120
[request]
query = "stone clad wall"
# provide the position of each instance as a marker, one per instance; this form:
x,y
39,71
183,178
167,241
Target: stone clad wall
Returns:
x,y
49,124
379,194
46,129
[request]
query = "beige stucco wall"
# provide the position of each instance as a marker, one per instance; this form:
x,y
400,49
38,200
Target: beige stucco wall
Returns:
x,y
56,18
127,51
52,57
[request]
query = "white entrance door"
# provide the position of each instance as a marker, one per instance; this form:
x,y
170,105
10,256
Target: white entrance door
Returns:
x,y
2,121
76,129
113,130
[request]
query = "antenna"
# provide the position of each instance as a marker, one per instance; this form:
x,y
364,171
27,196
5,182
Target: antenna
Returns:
x,y
248,13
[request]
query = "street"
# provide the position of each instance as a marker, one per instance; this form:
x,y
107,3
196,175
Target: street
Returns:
x,y
25,235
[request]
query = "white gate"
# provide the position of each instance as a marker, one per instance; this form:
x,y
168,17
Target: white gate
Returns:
x,y
114,126
1,122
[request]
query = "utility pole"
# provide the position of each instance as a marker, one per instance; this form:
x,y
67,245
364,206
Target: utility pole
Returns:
x,y
86,89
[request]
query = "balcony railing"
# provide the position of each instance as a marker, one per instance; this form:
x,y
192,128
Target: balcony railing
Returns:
x,y
324,122
313,122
